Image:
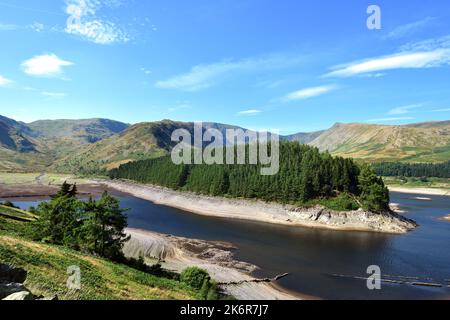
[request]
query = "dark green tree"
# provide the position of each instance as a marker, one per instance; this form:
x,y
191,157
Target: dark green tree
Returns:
x,y
104,228
374,194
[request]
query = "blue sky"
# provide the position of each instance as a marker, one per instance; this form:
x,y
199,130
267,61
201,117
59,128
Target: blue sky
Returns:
x,y
290,65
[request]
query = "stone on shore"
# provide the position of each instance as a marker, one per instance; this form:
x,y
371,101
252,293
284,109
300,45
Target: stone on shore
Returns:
x,y
22,295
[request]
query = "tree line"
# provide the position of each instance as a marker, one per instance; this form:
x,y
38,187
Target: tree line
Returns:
x,y
397,169
305,174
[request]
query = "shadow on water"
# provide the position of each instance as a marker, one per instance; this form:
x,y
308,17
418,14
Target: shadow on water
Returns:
x,y
312,256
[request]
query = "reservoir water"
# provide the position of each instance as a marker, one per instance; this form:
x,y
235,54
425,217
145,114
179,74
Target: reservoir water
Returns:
x,y
313,257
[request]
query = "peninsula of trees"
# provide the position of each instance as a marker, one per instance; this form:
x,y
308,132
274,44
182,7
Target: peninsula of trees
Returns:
x,y
305,176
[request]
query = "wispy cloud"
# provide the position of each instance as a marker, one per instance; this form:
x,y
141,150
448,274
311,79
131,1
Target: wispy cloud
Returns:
x,y
409,29
391,119
4,82
440,110
53,94
206,75
83,21
249,112
146,71
425,54
405,109
308,93
180,105
47,65
8,27
414,60
37,27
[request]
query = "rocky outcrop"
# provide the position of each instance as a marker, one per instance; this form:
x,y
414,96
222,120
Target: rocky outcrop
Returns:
x,y
22,295
389,222
11,281
12,284
12,274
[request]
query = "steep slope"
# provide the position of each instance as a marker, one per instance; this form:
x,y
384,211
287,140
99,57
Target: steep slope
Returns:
x,y
138,142
88,130
17,148
35,146
303,137
427,142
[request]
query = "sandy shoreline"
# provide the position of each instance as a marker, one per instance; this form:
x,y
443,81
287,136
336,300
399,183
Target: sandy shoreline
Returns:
x,y
315,217
425,191
177,253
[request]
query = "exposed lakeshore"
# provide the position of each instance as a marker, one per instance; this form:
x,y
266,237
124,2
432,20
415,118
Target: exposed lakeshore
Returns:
x,y
424,191
315,217
177,253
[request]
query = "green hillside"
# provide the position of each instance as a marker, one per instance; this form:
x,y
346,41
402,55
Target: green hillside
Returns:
x,y
428,142
96,145
35,146
101,279
138,142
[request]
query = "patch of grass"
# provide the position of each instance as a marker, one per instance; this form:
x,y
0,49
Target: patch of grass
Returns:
x,y
16,214
342,202
10,178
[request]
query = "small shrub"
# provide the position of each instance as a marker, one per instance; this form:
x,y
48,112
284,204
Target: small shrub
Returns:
x,y
194,277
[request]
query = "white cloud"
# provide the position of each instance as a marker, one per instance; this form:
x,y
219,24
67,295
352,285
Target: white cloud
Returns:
x,y
405,60
408,29
45,65
5,82
53,94
250,112
308,93
83,21
204,76
390,119
405,109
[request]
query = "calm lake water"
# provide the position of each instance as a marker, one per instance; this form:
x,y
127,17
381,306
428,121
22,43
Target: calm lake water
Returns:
x,y
312,256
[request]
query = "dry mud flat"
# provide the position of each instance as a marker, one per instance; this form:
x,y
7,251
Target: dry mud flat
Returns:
x,y
38,191
177,253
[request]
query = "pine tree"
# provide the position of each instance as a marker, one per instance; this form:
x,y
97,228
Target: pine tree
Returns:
x,y
104,229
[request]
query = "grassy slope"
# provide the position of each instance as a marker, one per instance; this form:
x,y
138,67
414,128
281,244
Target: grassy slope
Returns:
x,y
7,178
35,146
16,214
420,143
100,279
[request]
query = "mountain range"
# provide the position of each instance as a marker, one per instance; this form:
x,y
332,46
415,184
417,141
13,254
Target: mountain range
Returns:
x,y
89,145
